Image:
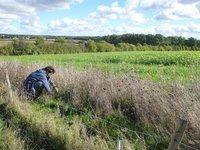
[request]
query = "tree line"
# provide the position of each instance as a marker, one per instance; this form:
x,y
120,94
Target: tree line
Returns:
x,y
129,42
154,40
149,39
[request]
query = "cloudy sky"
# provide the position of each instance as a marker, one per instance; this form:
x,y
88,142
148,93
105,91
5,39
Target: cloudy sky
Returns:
x,y
100,17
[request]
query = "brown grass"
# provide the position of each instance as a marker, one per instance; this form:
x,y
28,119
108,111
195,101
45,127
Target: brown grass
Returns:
x,y
143,101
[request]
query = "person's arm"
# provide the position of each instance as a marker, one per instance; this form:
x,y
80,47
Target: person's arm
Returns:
x,y
53,86
46,85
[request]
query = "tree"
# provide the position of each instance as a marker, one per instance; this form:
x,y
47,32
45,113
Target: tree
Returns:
x,y
191,42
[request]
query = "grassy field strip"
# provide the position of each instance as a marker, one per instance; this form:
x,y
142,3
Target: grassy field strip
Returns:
x,y
47,130
155,65
9,139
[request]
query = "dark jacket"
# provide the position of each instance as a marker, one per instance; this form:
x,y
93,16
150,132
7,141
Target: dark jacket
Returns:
x,y
38,76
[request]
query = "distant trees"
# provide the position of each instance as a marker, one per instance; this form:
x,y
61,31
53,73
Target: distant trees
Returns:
x,y
154,40
191,42
126,42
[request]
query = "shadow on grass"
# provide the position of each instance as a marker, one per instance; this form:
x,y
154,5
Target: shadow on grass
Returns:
x,y
34,138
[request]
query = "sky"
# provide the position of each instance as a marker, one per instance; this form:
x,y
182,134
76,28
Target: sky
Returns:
x,y
100,17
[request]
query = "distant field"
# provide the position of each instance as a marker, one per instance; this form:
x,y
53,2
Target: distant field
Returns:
x,y
3,43
158,66
8,41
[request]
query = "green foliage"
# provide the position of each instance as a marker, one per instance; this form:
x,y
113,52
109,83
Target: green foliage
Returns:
x,y
103,46
39,41
21,47
60,46
126,47
60,40
6,49
91,46
153,40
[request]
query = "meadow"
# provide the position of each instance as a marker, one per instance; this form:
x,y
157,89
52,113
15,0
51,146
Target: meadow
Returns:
x,y
179,66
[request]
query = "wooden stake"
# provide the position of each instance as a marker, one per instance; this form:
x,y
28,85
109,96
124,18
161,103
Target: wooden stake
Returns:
x,y
9,87
119,142
178,135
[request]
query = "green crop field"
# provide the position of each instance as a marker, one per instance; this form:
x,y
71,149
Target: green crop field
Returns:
x,y
155,65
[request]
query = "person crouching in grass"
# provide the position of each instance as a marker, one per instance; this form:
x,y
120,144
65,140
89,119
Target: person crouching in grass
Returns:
x,y
38,81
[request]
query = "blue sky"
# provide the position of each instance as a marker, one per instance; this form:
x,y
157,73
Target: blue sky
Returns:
x,y
100,17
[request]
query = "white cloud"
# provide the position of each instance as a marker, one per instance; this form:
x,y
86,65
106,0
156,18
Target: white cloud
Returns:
x,y
8,27
24,12
31,25
107,13
188,30
189,1
185,11
28,7
131,4
178,11
4,16
13,9
49,4
71,26
156,4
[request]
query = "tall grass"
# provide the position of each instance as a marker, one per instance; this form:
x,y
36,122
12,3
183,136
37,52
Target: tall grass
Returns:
x,y
44,130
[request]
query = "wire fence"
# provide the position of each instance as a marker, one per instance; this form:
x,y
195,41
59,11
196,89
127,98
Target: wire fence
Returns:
x,y
125,129
121,128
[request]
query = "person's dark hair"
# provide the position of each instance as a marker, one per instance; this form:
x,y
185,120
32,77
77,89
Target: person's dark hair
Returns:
x,y
49,69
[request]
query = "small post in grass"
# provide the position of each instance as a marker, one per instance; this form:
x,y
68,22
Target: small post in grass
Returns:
x,y
119,144
178,134
9,87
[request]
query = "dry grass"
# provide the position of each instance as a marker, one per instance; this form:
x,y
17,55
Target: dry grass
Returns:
x,y
143,101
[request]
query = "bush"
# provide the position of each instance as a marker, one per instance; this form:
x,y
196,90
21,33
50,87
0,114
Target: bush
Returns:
x,y
103,46
21,47
91,46
126,47
39,41
6,50
60,48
